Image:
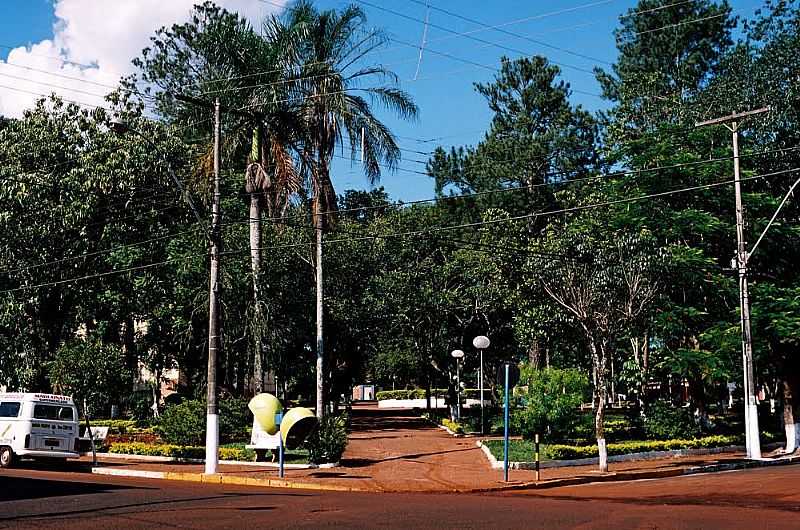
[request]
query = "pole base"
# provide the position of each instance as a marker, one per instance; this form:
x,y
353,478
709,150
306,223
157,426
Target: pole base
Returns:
x,y
212,443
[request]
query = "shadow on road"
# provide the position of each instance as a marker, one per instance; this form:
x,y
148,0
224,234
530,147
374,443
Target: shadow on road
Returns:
x,y
19,488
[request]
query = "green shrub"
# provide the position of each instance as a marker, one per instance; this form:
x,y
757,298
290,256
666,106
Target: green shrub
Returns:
x,y
328,440
663,421
185,423
139,405
551,402
453,426
414,393
235,420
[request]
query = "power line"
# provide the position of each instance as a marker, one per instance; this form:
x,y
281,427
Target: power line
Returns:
x,y
101,252
79,79
478,224
102,274
511,33
580,207
468,36
400,204
423,231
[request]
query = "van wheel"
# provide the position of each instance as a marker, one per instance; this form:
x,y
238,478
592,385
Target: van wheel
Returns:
x,y
6,457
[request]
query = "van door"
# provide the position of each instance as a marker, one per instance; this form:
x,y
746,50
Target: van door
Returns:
x,y
53,427
9,412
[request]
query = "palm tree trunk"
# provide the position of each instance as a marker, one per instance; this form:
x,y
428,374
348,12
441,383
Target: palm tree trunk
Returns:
x,y
255,267
320,345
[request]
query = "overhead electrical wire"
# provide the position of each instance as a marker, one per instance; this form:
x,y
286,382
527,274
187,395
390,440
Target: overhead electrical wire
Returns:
x,y
429,230
546,213
565,182
100,252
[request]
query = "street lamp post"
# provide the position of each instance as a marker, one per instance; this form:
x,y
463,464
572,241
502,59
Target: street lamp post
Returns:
x,y
481,342
458,355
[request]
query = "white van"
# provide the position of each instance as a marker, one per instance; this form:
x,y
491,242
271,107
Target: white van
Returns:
x,y
37,426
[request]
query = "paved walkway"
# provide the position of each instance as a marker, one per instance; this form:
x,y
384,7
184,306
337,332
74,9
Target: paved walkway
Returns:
x,y
397,451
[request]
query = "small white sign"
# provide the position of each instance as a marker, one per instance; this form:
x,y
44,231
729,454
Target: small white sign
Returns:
x,y
99,433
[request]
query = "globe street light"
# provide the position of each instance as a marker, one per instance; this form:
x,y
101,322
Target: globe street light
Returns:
x,y
458,355
481,342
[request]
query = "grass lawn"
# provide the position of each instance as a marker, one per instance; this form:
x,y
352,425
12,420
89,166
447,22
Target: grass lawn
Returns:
x,y
297,456
518,450
523,450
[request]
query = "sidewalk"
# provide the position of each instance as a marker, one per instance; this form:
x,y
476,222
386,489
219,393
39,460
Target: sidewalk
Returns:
x,y
393,451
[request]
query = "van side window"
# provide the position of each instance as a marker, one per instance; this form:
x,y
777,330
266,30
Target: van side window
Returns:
x,y
9,409
52,412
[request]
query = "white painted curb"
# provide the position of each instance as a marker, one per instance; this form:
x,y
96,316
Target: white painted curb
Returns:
x,y
650,455
127,473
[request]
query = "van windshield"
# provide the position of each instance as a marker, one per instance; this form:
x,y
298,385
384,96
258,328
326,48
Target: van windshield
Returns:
x,y
52,412
9,409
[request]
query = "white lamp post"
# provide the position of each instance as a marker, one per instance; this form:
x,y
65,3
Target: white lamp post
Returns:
x,y
481,342
458,355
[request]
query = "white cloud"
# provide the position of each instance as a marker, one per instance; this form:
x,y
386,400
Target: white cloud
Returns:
x,y
105,34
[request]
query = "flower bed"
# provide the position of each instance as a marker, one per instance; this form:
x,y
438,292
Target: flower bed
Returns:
x,y
455,427
231,452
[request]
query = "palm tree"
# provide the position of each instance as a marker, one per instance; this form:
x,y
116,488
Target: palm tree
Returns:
x,y
338,91
270,177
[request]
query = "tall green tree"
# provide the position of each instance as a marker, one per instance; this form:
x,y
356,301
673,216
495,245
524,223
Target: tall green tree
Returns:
x,y
667,53
536,138
333,77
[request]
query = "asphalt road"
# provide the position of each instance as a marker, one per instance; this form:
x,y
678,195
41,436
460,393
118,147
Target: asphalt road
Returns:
x,y
51,498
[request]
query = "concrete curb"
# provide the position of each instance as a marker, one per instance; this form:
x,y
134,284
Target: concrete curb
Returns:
x,y
223,479
101,457
642,475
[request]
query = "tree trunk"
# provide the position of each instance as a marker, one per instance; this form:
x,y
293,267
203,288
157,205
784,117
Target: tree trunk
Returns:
x,y
599,362
156,394
428,394
255,268
535,354
791,413
599,426
697,396
320,345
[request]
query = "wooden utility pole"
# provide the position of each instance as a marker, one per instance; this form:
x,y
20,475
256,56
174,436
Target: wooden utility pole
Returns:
x,y
214,342
732,123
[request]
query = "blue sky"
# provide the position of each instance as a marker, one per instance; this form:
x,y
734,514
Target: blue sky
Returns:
x,y
451,112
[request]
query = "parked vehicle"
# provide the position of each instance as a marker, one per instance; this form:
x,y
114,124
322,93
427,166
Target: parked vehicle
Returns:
x,y
37,426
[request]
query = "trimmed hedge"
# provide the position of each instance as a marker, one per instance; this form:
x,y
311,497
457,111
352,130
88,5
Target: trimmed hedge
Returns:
x,y
569,452
120,426
179,451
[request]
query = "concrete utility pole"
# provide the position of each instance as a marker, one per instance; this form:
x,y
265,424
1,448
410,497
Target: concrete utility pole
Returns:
x,y
318,279
750,407
214,343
